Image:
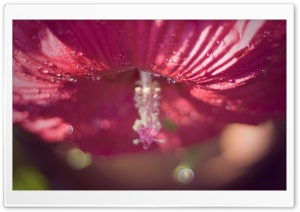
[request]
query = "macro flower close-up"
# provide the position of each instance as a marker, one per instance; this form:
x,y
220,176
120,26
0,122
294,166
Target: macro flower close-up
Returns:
x,y
149,104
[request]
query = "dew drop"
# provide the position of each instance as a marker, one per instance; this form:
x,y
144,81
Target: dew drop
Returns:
x,y
154,75
171,80
166,59
174,52
220,43
231,80
52,80
69,129
44,71
96,78
72,79
267,32
209,55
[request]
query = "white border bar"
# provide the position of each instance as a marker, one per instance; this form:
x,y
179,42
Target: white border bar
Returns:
x,y
147,11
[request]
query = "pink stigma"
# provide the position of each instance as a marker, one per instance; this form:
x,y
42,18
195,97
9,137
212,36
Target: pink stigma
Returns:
x,y
147,136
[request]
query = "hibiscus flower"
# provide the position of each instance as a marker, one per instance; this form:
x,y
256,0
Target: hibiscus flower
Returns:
x,y
126,86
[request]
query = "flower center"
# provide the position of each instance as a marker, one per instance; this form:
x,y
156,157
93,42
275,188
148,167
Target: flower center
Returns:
x,y
147,103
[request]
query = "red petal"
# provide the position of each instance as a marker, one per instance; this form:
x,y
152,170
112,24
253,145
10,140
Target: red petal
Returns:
x,y
232,66
208,53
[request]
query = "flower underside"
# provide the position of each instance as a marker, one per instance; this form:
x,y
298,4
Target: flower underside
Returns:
x,y
147,103
225,69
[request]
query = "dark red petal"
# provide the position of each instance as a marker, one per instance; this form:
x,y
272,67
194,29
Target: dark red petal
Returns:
x,y
232,67
208,53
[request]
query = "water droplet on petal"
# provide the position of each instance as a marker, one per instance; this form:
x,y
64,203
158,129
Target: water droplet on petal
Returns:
x,y
171,80
69,129
264,72
97,78
45,71
72,79
154,75
267,32
220,43
231,80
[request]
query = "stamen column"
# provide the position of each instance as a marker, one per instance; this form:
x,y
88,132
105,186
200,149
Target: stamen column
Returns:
x,y
147,95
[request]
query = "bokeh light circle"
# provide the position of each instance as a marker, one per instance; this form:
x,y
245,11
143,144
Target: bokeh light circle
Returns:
x,y
186,176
